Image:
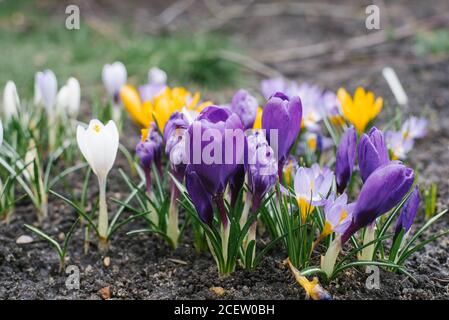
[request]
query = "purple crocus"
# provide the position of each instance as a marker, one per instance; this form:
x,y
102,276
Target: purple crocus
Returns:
x,y
408,213
47,89
261,167
149,150
157,82
372,152
382,191
245,106
345,158
282,116
174,137
215,149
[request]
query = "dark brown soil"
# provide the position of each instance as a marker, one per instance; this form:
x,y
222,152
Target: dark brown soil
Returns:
x,y
143,267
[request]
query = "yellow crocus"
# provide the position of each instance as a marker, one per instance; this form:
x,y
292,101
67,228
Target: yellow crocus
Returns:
x,y
139,112
360,109
160,108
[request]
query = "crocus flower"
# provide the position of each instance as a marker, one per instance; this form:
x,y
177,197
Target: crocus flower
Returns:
x,y
338,213
114,77
311,99
47,87
68,98
175,148
282,116
408,213
212,174
160,108
312,185
382,191
270,86
261,167
360,109
372,152
398,145
11,102
331,107
157,82
149,150
99,145
245,106
414,128
345,158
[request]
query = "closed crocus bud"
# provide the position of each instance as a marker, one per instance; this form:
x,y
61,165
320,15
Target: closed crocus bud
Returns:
x,y
408,213
245,106
11,100
345,158
114,77
157,76
175,139
99,145
217,142
372,152
149,150
69,98
282,115
47,85
216,167
261,167
382,191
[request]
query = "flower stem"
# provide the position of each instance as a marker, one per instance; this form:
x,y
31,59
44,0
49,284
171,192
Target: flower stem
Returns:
x,y
368,252
329,259
173,221
225,228
103,215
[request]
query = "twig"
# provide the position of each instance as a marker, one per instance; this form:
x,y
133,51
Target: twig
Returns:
x,y
355,43
249,63
173,11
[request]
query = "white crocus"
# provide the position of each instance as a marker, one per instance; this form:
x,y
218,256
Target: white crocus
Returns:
x,y
69,98
99,144
46,85
11,101
114,77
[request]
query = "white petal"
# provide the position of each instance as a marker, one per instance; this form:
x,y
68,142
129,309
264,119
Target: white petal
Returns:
x,y
11,100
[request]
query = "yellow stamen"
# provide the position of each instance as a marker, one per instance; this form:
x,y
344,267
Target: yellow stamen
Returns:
x,y
305,207
96,128
312,143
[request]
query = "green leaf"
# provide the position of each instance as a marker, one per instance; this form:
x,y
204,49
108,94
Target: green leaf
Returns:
x,y
46,237
80,211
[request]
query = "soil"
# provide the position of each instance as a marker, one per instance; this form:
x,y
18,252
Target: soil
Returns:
x,y
143,267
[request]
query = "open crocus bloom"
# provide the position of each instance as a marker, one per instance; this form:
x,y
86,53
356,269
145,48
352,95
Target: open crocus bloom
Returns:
x,y
360,109
312,185
338,215
160,108
311,98
414,128
99,144
398,144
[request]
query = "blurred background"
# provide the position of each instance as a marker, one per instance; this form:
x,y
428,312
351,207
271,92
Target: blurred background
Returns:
x,y
219,45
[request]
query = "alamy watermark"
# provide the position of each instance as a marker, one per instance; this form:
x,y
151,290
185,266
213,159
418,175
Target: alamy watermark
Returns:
x,y
372,21
72,22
